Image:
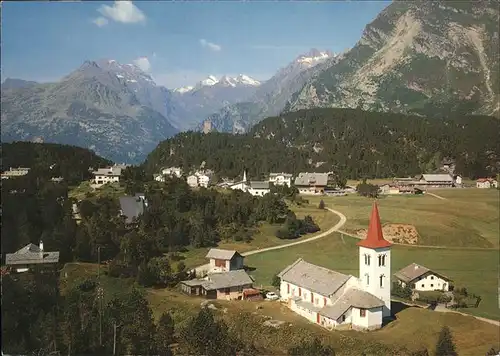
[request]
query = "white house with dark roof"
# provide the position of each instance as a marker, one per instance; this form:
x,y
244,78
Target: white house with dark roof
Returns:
x,y
333,299
258,188
224,260
29,256
107,175
15,172
421,278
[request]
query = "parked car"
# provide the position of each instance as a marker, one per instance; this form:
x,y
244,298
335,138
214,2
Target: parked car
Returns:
x,y
271,296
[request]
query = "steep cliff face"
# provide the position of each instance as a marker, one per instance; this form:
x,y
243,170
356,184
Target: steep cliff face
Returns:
x,y
424,57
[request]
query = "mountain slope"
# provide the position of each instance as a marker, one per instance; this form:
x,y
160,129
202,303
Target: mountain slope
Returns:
x,y
352,142
272,96
92,107
426,57
13,83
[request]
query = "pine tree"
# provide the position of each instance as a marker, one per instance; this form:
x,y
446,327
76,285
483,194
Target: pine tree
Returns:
x,y
321,204
445,345
164,334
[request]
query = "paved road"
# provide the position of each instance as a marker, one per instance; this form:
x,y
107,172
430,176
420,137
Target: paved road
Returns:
x,y
337,226
435,195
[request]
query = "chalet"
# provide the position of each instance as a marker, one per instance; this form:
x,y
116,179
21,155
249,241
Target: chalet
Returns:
x,y
311,183
228,285
280,179
107,175
438,180
30,256
392,189
486,183
421,278
199,179
224,260
333,299
258,188
15,172
132,207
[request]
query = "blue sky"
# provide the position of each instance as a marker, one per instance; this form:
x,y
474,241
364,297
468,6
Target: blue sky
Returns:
x,y
182,41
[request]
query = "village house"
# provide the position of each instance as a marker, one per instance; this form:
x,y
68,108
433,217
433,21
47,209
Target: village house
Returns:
x,y
256,188
231,285
168,172
30,256
280,179
333,299
15,172
427,181
311,183
224,260
421,278
393,189
132,207
107,175
483,183
199,179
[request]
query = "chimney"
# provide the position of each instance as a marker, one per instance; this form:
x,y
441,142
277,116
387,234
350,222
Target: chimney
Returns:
x,y
416,266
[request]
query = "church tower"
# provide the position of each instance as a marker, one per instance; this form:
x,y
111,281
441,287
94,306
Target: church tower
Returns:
x,y
375,262
244,175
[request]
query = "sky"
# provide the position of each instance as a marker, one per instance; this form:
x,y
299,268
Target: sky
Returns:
x,y
178,43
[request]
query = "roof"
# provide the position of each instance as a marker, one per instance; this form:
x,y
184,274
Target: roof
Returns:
x,y
374,237
307,179
220,254
194,282
315,278
109,171
227,279
351,298
131,207
486,180
31,254
413,271
438,178
259,185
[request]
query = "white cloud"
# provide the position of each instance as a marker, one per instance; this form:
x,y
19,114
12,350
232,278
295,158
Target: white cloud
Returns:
x,y
123,11
143,63
210,45
100,21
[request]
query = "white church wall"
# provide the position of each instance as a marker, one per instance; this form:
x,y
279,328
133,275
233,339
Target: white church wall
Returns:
x,y
369,274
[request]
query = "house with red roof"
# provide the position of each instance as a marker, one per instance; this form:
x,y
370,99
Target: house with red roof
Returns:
x,y
486,183
337,300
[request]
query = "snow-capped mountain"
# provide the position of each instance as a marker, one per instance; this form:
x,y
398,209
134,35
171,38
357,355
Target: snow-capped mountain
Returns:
x,y
224,81
271,96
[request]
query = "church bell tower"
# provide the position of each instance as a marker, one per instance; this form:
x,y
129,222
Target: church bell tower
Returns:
x,y
375,262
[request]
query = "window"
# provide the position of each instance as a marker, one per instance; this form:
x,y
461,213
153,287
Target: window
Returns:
x,y
300,291
432,285
288,288
381,260
423,285
324,301
343,318
367,259
432,277
381,281
362,313
226,291
312,298
367,279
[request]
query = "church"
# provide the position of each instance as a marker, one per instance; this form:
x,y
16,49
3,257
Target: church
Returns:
x,y
333,299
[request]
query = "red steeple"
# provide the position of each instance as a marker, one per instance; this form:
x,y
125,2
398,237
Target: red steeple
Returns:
x,y
374,237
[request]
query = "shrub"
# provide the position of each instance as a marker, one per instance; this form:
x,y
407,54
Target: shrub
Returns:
x,y
401,292
321,205
276,281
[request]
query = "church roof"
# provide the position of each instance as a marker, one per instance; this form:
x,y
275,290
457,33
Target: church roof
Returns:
x,y
374,237
351,298
314,278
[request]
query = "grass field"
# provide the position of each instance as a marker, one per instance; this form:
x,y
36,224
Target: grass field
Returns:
x,y
467,218
84,190
264,237
475,269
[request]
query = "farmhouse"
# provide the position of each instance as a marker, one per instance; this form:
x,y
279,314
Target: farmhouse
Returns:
x,y
226,285
421,278
393,189
311,183
15,172
333,299
107,175
280,179
30,256
258,188
198,179
224,260
427,181
486,183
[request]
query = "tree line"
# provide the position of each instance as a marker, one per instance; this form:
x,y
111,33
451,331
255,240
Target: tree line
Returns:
x,y
357,143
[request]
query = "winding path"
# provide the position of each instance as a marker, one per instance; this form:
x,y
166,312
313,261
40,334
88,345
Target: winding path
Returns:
x,y
336,227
